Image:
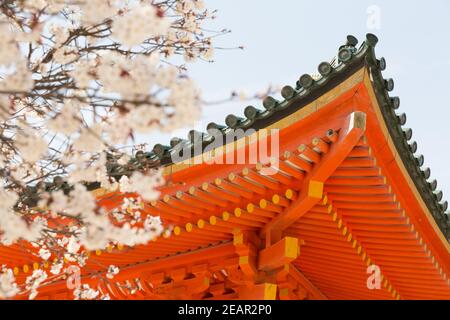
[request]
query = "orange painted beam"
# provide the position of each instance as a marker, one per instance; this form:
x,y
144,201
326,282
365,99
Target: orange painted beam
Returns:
x,y
312,190
263,291
245,244
279,254
316,294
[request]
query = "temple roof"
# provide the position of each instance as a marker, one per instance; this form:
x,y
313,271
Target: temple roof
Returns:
x,y
311,86
308,88
349,192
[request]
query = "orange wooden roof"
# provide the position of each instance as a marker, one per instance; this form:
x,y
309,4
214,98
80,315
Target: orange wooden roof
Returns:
x,y
343,198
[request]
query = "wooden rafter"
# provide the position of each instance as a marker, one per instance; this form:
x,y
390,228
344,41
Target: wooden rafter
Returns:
x,y
312,191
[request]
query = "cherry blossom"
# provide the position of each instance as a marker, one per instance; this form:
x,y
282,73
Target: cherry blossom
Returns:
x,y
56,268
112,271
85,292
66,121
44,253
31,146
79,80
33,282
11,225
8,286
138,24
140,183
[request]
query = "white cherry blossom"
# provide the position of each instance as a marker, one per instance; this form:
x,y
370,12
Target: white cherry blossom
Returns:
x,y
80,83
8,286
136,25
44,253
112,271
85,293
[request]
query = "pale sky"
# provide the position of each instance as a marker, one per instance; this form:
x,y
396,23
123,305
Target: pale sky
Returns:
x,y
284,39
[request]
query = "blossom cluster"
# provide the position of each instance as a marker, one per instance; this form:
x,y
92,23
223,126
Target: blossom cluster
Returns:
x,y
79,81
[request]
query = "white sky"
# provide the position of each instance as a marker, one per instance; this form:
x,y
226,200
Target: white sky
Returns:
x,y
287,38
